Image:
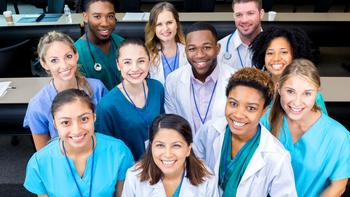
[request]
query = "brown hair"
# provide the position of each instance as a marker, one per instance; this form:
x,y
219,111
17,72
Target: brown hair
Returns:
x,y
299,67
258,2
254,78
151,40
196,170
54,36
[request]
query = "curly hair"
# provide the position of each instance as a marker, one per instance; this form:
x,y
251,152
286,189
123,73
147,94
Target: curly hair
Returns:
x,y
297,38
254,78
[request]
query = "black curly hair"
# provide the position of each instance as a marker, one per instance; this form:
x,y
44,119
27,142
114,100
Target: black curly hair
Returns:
x,y
297,38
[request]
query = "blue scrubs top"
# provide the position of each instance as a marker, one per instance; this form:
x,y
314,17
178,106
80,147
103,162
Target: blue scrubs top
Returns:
x,y
38,116
117,117
109,73
48,171
320,156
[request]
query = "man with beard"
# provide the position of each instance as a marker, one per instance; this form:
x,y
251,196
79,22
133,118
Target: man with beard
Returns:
x,y
196,91
98,47
235,47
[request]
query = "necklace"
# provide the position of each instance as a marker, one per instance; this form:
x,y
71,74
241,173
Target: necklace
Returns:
x,y
71,169
145,121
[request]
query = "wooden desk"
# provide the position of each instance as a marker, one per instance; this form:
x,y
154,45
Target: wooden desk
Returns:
x,y
13,105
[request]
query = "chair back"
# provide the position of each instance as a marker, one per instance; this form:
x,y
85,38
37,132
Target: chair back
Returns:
x,y
15,60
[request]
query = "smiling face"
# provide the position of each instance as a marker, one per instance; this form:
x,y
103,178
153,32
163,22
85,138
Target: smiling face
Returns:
x,y
101,20
169,152
278,55
244,108
248,18
201,51
166,26
61,61
74,122
298,97
133,63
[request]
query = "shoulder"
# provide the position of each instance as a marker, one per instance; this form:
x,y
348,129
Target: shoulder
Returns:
x,y
174,76
80,43
154,83
112,144
42,99
270,144
95,83
47,153
117,38
223,40
110,98
226,70
333,128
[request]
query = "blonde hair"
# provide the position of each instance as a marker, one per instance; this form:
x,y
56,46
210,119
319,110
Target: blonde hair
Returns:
x,y
299,67
54,36
151,40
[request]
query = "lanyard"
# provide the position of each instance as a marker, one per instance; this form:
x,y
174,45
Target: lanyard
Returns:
x,y
92,167
145,121
195,103
227,55
175,61
178,189
239,56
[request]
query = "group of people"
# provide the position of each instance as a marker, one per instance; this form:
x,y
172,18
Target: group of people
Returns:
x,y
183,115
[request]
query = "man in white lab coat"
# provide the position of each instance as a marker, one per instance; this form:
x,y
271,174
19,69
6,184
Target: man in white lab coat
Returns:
x,y
196,91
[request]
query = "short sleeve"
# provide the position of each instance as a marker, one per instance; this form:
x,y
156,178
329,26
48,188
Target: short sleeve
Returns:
x,y
36,120
342,166
125,163
103,121
33,181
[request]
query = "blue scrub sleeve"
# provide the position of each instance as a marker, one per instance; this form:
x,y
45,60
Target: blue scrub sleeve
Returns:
x,y
103,121
33,181
126,162
342,167
36,120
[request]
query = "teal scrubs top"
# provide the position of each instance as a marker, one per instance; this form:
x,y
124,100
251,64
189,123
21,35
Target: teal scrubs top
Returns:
x,y
321,155
48,171
109,74
118,117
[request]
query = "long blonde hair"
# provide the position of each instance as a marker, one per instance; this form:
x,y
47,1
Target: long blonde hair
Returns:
x,y
54,36
299,67
151,40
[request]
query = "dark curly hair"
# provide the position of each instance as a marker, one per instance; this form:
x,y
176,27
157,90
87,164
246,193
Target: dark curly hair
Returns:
x,y
297,38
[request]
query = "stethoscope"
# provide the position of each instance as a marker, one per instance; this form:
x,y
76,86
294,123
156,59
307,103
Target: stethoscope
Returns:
x,y
97,66
228,55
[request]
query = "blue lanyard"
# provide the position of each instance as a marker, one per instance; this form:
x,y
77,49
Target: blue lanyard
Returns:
x,y
195,103
227,49
145,121
175,61
178,189
92,167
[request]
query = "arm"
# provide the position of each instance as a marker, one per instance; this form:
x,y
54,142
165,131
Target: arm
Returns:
x,y
283,183
40,140
119,188
336,188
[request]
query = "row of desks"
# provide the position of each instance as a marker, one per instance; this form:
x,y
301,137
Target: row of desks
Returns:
x,y
13,104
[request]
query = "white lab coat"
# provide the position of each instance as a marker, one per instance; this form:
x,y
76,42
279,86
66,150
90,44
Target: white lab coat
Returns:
x,y
269,170
235,42
157,72
178,93
134,188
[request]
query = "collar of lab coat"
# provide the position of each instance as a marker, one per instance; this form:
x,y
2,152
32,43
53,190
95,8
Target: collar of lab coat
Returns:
x,y
258,159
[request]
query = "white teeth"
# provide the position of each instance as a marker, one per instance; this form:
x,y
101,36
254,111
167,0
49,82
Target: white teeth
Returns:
x,y
168,162
296,109
277,66
77,137
239,124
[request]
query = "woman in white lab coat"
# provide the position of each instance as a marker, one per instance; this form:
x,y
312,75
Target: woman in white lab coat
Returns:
x,y
165,40
246,158
169,166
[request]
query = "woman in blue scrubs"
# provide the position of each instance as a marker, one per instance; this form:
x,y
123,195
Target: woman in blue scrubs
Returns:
x,y
275,48
128,110
319,145
80,162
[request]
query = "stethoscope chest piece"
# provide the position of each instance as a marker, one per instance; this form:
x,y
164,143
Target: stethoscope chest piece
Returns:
x,y
97,66
227,55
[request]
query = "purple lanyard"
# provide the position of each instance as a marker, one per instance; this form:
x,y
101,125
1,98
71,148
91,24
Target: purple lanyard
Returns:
x,y
195,103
